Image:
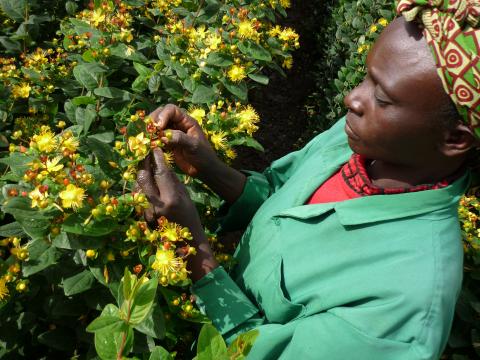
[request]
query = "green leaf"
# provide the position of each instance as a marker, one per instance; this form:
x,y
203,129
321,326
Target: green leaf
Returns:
x,y
254,50
203,95
78,283
71,7
12,229
35,223
41,256
142,69
127,284
83,100
75,225
108,344
139,85
243,344
14,9
172,86
128,52
85,117
105,137
105,154
240,89
159,353
219,59
106,322
261,79
143,301
89,74
211,344
113,93
18,163
154,323
248,141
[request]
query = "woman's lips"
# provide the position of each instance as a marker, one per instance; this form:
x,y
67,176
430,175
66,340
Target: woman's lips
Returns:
x,y
348,129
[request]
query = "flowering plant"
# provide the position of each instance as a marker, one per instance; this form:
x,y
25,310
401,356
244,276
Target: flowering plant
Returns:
x,y
74,112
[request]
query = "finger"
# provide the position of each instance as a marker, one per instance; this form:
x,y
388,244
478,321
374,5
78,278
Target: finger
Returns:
x,y
173,117
150,218
177,139
170,114
166,180
155,113
146,181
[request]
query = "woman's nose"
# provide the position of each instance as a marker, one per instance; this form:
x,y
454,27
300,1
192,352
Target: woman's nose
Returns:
x,y
353,101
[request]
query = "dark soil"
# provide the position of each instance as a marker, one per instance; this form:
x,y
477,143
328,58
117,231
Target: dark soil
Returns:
x,y
281,104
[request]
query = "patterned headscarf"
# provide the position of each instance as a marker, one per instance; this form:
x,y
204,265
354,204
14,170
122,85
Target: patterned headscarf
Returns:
x,y
450,28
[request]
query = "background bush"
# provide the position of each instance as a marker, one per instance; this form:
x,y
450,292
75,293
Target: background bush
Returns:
x,y
77,82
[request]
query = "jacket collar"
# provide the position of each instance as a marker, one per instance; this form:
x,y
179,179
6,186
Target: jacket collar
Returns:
x,y
374,208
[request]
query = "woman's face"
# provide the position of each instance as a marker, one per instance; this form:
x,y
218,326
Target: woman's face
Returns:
x,y
393,114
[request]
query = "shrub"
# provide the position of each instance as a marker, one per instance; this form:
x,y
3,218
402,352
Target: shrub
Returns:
x,y
74,111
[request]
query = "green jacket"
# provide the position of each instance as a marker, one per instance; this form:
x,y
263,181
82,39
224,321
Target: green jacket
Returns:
x,y
370,278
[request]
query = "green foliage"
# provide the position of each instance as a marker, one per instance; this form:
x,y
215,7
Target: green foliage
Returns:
x,y
77,82
212,346
345,41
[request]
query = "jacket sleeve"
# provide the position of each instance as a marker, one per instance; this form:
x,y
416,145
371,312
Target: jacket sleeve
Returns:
x,y
260,186
319,336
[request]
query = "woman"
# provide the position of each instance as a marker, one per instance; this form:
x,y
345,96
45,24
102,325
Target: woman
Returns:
x,y
352,248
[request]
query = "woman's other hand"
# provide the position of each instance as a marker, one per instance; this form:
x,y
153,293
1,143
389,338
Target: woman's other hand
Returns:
x,y
194,155
192,151
168,197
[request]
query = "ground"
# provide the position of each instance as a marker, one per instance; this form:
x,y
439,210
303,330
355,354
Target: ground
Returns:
x,y
281,104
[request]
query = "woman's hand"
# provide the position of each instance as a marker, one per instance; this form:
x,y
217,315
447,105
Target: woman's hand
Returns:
x,y
168,197
166,194
194,155
192,151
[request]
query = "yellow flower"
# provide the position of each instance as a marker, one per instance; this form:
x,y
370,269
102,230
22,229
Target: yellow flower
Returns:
x,y
246,30
236,73
288,34
71,144
218,140
275,31
72,197
230,153
126,35
285,3
247,118
53,165
97,17
21,91
383,22
3,289
373,29
170,231
363,48
45,141
166,263
37,197
138,145
198,114
213,41
288,63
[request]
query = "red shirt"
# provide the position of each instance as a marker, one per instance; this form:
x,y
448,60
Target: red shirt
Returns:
x,y
352,181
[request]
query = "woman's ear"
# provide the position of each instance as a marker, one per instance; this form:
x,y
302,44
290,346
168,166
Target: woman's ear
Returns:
x,y
458,140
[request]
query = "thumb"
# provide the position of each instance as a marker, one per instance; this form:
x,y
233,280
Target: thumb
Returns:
x,y
165,178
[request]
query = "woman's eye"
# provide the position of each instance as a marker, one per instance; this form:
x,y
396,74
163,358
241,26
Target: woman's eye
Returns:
x,y
381,102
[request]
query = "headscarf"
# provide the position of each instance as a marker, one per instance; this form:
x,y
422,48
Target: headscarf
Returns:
x,y
451,31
